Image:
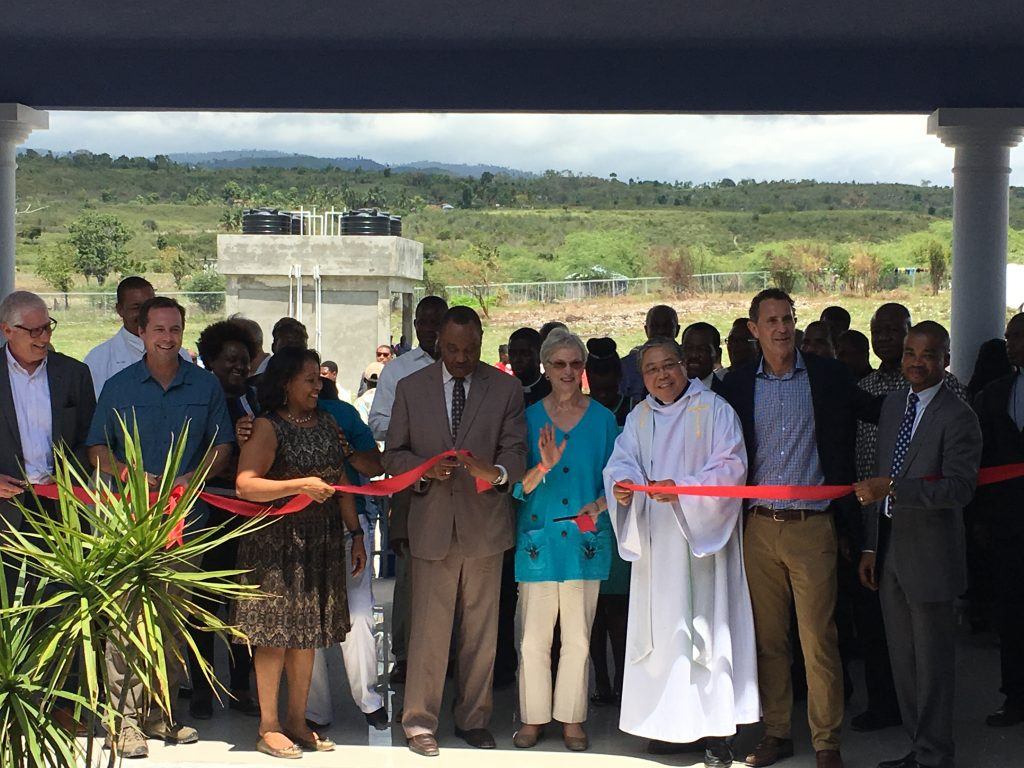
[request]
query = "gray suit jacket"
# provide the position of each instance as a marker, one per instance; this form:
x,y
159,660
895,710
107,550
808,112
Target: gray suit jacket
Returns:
x,y
493,428
940,469
72,402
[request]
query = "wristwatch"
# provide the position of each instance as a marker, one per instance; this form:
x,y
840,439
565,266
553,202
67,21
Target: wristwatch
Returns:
x,y
502,475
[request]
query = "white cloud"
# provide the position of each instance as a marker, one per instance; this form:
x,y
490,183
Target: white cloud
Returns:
x,y
668,147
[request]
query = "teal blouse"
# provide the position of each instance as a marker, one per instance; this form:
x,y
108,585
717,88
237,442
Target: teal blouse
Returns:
x,y
559,551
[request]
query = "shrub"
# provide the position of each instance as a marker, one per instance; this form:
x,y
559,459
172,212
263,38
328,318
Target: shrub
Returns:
x,y
211,286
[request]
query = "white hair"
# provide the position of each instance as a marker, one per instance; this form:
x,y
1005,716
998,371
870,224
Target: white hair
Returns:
x,y
561,338
16,304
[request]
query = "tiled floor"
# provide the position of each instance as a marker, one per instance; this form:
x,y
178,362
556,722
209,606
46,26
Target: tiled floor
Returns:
x,y
229,738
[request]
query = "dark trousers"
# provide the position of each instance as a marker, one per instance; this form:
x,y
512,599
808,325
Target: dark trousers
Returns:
x,y
506,662
222,558
870,626
923,653
1010,612
609,625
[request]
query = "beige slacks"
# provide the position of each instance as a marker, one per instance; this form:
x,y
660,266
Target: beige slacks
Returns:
x,y
541,604
463,591
789,563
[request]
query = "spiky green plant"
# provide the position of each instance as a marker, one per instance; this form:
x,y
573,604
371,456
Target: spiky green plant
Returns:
x,y
100,573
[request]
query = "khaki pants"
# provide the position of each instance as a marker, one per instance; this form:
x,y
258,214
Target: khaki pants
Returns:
x,y
456,590
787,562
541,604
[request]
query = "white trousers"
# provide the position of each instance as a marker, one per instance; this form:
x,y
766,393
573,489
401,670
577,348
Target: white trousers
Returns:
x,y
359,651
541,604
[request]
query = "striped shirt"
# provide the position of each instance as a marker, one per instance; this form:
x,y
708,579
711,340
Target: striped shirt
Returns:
x,y
786,450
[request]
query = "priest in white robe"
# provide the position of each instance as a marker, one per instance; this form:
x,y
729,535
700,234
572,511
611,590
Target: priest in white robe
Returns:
x,y
691,669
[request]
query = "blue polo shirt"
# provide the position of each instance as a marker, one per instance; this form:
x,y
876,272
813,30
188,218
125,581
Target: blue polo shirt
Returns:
x,y
133,394
359,437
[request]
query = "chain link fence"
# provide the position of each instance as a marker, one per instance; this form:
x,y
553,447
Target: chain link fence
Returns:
x,y
86,304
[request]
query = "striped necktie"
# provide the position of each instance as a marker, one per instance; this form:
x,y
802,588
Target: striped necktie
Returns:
x,y
458,405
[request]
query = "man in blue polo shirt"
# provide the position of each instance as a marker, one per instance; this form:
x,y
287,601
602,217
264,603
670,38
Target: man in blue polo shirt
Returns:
x,y
359,651
158,394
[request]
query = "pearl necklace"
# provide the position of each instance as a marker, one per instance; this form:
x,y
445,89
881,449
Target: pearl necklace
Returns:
x,y
298,419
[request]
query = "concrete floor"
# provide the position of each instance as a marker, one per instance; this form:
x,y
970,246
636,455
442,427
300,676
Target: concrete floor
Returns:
x,y
229,738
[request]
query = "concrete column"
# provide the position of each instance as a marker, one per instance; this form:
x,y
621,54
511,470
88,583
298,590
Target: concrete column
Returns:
x,y
16,123
981,139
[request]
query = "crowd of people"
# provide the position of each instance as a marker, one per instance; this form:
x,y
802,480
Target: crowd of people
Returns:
x,y
555,528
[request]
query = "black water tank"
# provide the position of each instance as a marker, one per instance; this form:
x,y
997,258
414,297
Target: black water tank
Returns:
x,y
365,221
264,221
396,226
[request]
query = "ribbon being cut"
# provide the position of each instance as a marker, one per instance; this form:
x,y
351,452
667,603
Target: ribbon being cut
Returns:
x,y
390,485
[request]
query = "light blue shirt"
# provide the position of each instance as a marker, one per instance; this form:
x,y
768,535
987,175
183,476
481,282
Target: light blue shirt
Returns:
x,y
558,551
787,445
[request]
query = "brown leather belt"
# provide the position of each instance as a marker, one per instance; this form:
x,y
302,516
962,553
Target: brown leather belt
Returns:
x,y
786,515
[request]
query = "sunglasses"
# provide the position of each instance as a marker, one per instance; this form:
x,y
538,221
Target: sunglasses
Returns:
x,y
561,365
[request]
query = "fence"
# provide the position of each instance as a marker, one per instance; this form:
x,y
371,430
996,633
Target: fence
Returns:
x,y
87,304
577,290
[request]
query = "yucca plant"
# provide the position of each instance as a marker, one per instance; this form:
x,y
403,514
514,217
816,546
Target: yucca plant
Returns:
x,y
102,571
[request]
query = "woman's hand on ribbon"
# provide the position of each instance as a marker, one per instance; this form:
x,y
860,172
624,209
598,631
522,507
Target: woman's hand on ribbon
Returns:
x,y
315,488
550,451
443,469
665,498
624,496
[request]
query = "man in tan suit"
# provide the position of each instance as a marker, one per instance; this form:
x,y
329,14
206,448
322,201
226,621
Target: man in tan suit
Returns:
x,y
456,534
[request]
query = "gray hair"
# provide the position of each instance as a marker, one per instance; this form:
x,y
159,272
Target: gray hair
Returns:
x,y
560,338
653,343
16,304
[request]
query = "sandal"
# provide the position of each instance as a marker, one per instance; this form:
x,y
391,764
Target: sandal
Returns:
x,y
292,752
316,744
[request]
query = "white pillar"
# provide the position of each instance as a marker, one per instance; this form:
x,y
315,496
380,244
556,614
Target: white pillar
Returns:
x,y
981,139
16,123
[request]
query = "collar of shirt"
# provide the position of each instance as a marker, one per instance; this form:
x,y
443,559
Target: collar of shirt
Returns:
x,y
16,367
131,340
925,396
798,365
528,388
179,376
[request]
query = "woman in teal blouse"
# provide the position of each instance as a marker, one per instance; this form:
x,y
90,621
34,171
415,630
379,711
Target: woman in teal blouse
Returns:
x,y
559,567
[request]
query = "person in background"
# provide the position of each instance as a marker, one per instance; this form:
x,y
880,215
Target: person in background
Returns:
x,y
558,567
818,340
365,401
36,385
993,362
524,359
929,451
258,364
156,396
661,321
502,364
125,347
702,345
854,352
798,338
426,322
741,344
384,354
457,535
299,561
289,332
1000,409
838,321
548,327
329,370
226,350
359,649
604,371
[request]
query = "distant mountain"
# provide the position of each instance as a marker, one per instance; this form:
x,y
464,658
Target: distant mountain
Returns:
x,y
251,158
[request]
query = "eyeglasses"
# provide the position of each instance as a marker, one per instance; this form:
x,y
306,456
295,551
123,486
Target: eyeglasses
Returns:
x,y
560,365
35,333
654,370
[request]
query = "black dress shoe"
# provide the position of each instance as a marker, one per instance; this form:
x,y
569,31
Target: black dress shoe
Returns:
x,y
480,738
1005,716
378,719
870,720
907,761
200,707
717,753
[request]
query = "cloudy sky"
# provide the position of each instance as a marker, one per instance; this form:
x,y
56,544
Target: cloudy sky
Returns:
x,y
862,148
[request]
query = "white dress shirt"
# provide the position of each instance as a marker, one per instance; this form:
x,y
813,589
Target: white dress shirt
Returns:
x,y
384,394
31,392
115,354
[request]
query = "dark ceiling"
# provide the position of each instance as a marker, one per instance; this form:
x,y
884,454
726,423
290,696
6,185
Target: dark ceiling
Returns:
x,y
559,55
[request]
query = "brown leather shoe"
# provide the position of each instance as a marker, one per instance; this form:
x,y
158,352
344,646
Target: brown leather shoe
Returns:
x,y
480,738
424,744
769,751
829,758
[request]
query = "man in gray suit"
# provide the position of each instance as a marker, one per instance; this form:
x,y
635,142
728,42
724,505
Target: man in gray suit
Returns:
x,y
929,450
46,398
457,534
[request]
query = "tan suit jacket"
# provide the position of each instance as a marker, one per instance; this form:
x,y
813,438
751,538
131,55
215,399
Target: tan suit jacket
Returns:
x,y
493,428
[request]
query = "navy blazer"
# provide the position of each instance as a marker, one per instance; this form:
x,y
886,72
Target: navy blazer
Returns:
x,y
838,404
